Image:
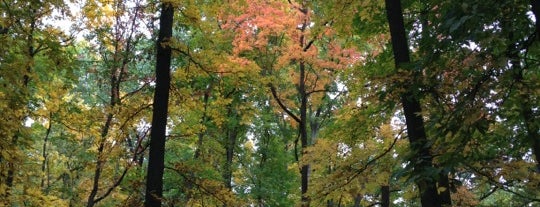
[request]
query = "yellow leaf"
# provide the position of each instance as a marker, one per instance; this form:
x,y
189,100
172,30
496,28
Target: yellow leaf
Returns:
x,y
441,189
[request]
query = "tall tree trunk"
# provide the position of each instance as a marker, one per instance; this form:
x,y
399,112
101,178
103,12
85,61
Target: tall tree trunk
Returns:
x,y
385,196
303,134
443,181
422,161
532,128
535,6
230,143
232,134
154,177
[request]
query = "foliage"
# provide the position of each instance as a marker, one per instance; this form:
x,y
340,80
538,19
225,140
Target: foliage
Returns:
x,y
272,103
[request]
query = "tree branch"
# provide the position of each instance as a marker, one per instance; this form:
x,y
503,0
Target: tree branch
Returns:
x,y
189,179
503,186
361,170
489,193
281,104
309,45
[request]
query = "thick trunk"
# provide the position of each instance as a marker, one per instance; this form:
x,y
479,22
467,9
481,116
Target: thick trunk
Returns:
x,y
418,144
412,110
444,195
532,131
385,196
154,177
532,128
535,6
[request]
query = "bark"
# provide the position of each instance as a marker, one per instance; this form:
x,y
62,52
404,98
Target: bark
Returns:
x,y
3,30
230,143
446,198
532,128
154,177
385,196
411,107
443,181
204,119
532,131
232,135
535,6
302,120
303,134
99,162
357,200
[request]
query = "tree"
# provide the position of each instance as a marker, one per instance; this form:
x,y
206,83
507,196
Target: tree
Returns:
x,y
156,165
33,46
473,85
270,103
423,159
292,50
116,66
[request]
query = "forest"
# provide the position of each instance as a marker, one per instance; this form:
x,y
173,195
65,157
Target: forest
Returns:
x,y
269,103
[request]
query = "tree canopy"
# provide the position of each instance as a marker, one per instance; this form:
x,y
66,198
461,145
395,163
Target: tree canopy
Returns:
x,y
269,103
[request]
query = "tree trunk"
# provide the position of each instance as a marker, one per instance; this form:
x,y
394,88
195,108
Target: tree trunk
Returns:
x,y
232,131
385,196
535,6
357,200
154,177
303,134
113,102
422,161
330,203
232,134
532,128
100,159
